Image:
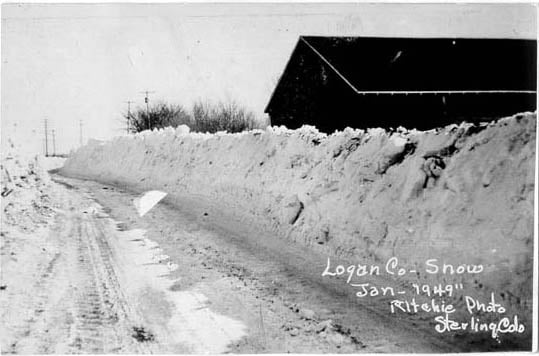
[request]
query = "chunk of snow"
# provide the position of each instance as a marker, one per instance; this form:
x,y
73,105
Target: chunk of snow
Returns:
x,y
182,130
398,140
147,201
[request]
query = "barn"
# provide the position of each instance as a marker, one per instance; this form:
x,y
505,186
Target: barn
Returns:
x,y
360,82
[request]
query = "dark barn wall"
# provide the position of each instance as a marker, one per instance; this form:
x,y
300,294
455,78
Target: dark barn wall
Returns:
x,y
310,92
299,91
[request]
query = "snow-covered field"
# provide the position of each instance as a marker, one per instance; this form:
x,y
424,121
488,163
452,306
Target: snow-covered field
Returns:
x,y
460,194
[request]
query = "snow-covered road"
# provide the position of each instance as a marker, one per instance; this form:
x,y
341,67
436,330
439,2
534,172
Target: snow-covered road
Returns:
x,y
184,278
200,280
62,291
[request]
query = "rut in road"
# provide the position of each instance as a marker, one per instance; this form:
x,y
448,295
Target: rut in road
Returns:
x,y
77,304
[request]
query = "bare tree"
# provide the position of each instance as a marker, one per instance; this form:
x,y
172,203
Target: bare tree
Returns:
x,y
158,116
224,116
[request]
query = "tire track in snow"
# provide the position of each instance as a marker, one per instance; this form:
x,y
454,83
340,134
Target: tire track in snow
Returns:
x,y
76,303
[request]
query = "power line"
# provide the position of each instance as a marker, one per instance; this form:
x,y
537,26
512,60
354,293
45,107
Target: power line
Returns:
x,y
129,102
147,101
46,139
53,143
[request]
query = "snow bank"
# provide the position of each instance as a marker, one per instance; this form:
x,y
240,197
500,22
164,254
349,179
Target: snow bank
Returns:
x,y
26,214
25,202
51,163
461,194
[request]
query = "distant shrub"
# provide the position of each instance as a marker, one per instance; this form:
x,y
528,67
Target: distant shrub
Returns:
x,y
229,116
204,117
159,116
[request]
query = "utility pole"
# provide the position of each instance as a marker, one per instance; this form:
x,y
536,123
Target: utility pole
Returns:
x,y
128,113
80,133
147,101
53,144
46,140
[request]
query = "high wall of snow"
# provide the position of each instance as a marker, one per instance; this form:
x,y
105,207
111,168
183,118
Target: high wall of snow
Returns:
x,y
461,194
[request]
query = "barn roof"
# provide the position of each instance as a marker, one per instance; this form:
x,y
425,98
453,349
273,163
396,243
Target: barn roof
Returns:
x,y
383,65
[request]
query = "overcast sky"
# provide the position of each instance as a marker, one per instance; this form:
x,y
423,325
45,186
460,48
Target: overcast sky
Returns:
x,y
78,62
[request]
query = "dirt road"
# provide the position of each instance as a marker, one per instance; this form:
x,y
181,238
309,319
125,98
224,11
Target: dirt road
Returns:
x,y
185,278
